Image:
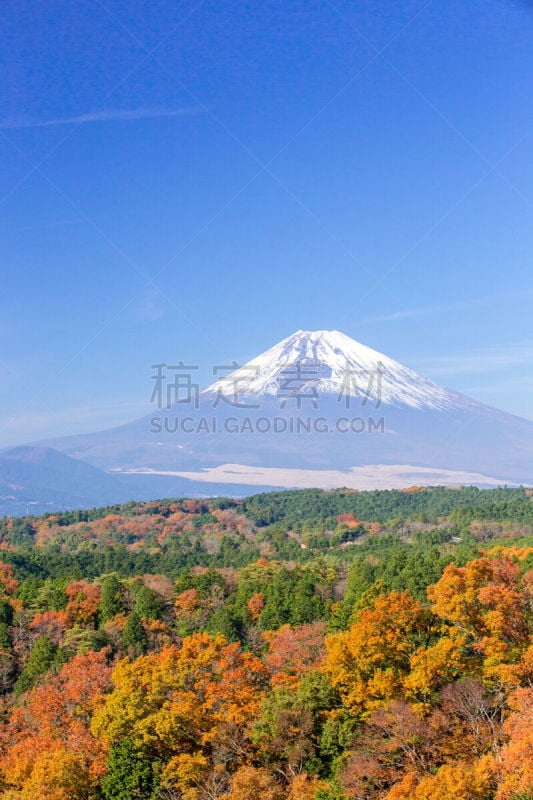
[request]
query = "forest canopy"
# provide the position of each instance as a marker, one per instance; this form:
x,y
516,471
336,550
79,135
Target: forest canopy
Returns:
x,y
300,645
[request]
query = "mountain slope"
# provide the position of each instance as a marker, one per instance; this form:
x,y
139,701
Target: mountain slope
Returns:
x,y
36,480
329,362
282,411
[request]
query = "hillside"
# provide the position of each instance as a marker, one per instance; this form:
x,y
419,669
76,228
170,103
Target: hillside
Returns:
x,y
302,645
42,480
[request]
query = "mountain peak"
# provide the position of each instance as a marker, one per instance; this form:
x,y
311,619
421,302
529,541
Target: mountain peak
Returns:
x,y
330,362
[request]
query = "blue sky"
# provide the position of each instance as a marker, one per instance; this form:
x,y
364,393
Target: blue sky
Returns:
x,y
197,180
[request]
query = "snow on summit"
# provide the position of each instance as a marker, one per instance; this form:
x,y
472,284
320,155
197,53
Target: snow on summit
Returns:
x,y
329,362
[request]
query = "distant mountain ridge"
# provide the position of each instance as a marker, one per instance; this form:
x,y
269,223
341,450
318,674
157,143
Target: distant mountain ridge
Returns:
x,y
36,480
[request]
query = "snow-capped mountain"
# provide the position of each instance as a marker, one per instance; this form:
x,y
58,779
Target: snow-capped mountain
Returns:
x,y
246,428
329,362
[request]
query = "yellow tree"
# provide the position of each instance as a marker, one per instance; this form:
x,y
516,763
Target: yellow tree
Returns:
x,y
186,706
486,601
517,756
369,662
461,780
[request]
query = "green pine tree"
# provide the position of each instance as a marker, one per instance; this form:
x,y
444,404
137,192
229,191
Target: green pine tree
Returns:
x,y
111,602
134,636
129,774
147,603
44,654
6,613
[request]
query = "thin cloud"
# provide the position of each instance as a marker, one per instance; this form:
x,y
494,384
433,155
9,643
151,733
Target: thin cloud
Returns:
x,y
151,307
410,313
478,302
110,115
30,426
482,360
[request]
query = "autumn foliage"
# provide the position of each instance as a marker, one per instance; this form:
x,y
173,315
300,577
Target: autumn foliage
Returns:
x,y
257,668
